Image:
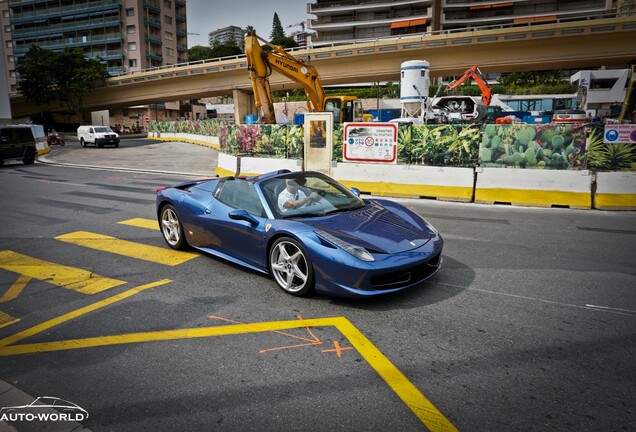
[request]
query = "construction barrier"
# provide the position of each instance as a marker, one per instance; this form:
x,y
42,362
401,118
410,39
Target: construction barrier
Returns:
x,y
248,166
453,184
534,187
615,190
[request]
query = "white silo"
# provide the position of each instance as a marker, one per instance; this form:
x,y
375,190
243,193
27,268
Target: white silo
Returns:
x,y
414,85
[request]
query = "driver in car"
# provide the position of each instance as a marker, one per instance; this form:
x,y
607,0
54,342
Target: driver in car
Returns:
x,y
292,197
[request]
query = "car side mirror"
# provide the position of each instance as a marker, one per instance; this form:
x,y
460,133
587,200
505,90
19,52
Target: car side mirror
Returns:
x,y
355,191
243,215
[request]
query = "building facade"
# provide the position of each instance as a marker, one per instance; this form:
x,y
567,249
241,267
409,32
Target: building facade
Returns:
x,y
346,21
223,35
128,35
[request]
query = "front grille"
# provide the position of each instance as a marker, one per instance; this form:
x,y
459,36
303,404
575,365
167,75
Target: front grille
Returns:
x,y
406,276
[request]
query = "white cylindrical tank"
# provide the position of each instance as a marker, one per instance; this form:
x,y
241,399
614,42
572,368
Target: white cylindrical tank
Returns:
x,y
414,85
414,80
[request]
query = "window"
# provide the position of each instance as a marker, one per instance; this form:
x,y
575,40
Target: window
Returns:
x,y
12,74
170,51
169,36
9,44
131,29
167,19
10,59
5,14
240,194
132,62
167,3
132,46
130,12
7,28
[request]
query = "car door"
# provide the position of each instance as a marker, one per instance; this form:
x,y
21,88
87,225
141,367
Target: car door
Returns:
x,y
235,236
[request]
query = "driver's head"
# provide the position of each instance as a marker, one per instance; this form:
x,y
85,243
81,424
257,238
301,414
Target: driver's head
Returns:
x,y
292,185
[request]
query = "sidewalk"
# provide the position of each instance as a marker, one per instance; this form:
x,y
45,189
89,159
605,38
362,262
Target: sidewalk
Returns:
x,y
157,156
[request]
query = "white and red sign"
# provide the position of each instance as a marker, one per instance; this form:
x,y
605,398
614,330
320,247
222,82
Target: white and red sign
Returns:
x,y
370,142
623,133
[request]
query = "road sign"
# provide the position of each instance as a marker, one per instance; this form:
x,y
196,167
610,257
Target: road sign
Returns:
x,y
624,133
147,119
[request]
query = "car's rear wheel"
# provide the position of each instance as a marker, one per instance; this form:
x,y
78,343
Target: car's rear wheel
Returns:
x,y
82,142
291,267
29,157
171,228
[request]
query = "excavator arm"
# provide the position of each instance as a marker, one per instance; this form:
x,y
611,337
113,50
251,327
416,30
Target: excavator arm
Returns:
x,y
475,74
261,61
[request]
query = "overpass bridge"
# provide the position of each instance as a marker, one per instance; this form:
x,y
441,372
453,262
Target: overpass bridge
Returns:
x,y
581,44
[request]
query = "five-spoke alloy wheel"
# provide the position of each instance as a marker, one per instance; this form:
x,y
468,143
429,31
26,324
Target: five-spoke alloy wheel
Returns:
x,y
171,228
291,267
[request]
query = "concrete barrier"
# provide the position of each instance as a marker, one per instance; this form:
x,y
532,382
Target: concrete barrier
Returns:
x,y
444,183
534,187
615,190
204,140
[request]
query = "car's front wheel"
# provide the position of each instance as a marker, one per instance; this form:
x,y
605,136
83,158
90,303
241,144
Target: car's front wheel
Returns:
x,y
291,267
171,228
29,157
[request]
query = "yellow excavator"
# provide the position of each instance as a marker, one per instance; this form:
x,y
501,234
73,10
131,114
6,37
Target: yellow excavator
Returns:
x,y
263,59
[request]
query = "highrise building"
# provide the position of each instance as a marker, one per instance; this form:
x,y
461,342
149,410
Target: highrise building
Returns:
x,y
349,21
127,35
223,35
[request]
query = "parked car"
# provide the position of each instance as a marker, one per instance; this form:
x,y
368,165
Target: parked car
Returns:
x,y
98,135
305,229
17,142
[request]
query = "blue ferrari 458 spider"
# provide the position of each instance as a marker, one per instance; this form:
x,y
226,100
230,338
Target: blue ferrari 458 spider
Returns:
x,y
305,229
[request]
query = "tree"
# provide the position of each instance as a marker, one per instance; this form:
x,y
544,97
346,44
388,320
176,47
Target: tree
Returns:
x,y
46,76
277,28
285,42
199,52
226,49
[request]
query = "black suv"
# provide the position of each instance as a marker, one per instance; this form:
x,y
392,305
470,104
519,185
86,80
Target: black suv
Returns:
x,y
17,142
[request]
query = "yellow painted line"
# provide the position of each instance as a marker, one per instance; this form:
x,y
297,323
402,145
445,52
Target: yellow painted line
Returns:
x,y
426,412
15,289
434,420
127,248
141,223
6,319
76,313
72,278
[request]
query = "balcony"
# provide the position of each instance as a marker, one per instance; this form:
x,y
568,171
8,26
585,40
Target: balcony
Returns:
x,y
154,55
73,10
31,32
361,5
153,39
152,7
337,24
61,43
153,23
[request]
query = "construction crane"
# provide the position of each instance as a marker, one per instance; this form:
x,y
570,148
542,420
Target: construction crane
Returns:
x,y
301,24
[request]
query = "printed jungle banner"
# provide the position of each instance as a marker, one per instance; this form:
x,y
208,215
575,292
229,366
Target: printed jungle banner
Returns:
x,y
544,146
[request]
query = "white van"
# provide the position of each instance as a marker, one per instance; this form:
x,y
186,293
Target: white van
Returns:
x,y
98,135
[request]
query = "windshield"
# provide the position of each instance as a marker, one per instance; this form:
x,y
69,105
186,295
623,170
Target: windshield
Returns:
x,y
103,129
307,195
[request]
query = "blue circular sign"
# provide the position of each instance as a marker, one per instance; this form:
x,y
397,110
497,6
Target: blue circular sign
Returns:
x,y
611,135
632,136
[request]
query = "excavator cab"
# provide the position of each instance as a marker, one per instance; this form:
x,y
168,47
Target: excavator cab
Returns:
x,y
346,109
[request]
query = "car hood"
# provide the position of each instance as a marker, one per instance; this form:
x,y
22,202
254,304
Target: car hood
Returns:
x,y
374,228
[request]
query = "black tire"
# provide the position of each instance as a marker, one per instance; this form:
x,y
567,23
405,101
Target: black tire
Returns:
x,y
29,157
172,228
117,145
62,143
98,144
291,267
82,142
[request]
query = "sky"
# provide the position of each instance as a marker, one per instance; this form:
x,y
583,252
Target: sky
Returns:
x,y
205,16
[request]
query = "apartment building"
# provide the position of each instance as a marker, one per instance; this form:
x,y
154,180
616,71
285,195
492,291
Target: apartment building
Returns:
x,y
128,35
345,21
225,34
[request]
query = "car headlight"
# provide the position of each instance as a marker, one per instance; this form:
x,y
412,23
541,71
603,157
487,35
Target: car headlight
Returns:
x,y
357,251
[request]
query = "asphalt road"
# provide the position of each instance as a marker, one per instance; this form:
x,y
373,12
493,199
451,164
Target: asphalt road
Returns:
x,y
529,326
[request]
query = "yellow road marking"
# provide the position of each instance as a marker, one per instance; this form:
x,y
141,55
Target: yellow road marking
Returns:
x,y
15,289
63,276
6,319
141,223
76,313
127,248
426,412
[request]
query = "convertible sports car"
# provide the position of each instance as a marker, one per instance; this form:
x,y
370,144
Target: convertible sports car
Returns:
x,y
305,229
